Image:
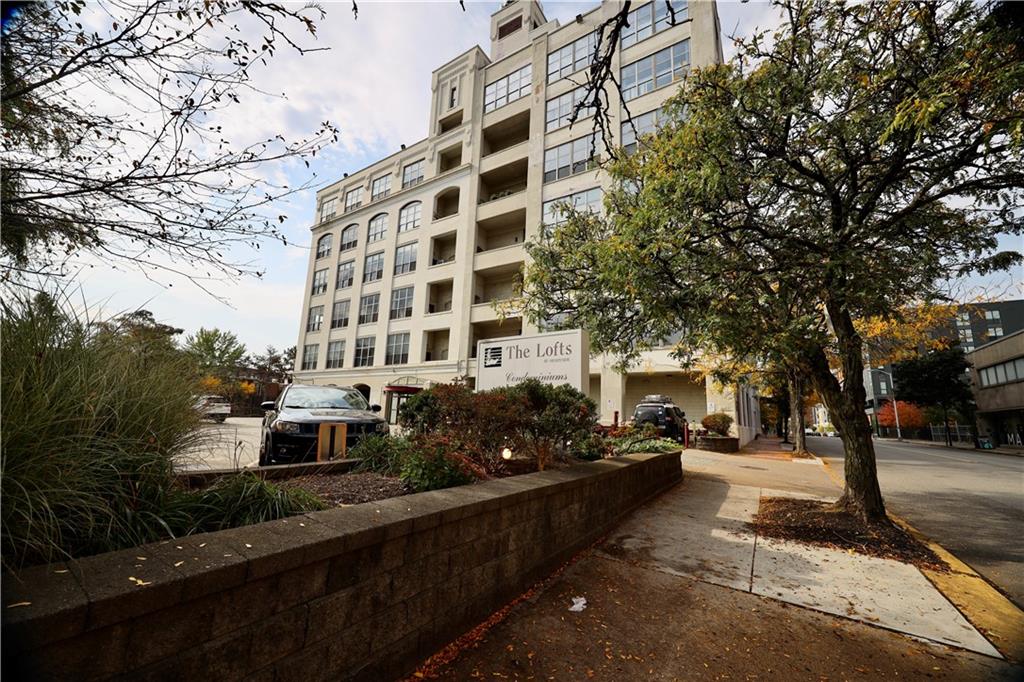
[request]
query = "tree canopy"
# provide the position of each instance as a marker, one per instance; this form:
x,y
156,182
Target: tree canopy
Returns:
x,y
217,352
831,173
117,139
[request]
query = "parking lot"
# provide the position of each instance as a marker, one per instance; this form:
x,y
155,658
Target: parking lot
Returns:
x,y
231,445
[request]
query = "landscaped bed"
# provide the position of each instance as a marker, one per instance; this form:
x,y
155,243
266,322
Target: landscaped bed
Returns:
x,y
338,490
819,523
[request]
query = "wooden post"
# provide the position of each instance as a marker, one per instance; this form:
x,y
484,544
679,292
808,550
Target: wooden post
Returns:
x,y
331,441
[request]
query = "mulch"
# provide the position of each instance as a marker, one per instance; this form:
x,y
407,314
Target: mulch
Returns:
x,y
819,523
338,490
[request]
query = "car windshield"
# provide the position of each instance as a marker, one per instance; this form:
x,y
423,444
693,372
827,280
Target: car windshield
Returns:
x,y
647,412
310,397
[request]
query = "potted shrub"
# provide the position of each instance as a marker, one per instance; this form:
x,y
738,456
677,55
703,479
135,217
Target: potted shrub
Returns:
x,y
717,438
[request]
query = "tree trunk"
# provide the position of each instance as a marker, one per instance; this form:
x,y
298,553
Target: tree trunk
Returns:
x,y
845,405
796,410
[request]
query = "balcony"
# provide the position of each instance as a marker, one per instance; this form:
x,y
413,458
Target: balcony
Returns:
x,y
439,296
505,134
446,203
442,249
449,158
494,329
436,344
503,181
492,285
500,231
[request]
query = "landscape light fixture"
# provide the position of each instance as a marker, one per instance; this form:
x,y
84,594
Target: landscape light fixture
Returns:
x,y
506,453
579,18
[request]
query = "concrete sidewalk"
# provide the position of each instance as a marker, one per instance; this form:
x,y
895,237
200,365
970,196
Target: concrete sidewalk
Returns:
x,y
683,589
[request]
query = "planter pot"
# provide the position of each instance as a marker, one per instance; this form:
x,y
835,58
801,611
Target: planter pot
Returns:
x,y
718,443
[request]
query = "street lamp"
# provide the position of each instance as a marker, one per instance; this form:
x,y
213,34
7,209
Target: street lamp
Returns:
x,y
895,403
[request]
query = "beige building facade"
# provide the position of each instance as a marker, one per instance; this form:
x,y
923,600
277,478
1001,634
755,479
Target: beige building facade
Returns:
x,y
410,255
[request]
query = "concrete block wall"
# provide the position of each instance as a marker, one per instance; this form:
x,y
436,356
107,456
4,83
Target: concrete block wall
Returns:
x,y
357,593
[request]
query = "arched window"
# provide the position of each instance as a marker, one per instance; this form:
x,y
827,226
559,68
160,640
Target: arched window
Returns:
x,y
323,246
378,227
446,203
409,216
350,237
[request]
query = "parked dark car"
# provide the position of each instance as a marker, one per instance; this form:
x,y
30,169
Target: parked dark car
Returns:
x,y
663,413
291,423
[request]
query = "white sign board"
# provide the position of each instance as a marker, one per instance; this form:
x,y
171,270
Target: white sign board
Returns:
x,y
553,358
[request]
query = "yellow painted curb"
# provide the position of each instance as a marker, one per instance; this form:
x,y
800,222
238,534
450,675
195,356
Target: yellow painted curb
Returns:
x,y
996,617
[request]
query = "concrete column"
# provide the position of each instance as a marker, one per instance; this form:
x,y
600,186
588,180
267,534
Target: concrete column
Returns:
x,y
613,392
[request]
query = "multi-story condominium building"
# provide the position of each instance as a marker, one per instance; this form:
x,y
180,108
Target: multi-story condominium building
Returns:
x,y
410,254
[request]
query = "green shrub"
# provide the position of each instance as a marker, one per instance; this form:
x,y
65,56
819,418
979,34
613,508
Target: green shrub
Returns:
x,y
717,422
431,463
240,500
94,415
381,454
559,420
631,439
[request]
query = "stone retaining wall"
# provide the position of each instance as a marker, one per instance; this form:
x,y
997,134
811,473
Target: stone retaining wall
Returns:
x,y
357,593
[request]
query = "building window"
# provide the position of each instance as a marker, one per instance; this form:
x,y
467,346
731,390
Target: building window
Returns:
x,y
309,353
398,349
992,315
353,199
655,71
963,319
587,200
405,258
995,332
323,246
364,351
401,303
369,308
328,208
883,387
319,282
510,27
346,273
559,109
339,315
966,336
570,158
373,267
409,217
644,124
380,187
652,18
378,228
315,320
350,238
508,89
571,58
335,354
412,174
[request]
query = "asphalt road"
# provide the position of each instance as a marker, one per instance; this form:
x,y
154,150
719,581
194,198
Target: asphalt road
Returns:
x,y
972,503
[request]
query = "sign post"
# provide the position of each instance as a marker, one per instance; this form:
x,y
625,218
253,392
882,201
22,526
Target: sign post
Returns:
x,y
553,358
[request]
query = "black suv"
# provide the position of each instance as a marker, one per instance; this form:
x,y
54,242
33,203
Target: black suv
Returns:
x,y
660,411
291,424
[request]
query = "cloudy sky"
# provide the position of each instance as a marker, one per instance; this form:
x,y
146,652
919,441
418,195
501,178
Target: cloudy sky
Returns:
x,y
374,84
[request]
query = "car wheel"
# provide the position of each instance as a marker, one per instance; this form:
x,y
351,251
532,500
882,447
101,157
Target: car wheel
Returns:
x,y
220,419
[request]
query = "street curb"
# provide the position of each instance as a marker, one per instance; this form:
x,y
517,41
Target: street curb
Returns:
x,y
998,619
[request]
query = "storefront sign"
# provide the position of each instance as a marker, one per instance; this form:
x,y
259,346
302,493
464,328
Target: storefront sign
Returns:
x,y
553,358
